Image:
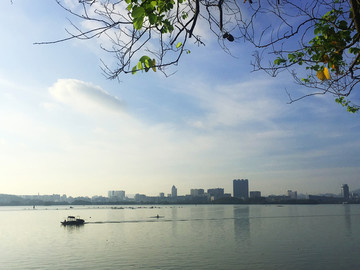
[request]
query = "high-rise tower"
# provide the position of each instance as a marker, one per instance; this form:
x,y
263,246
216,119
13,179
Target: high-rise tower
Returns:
x,y
241,188
345,191
173,192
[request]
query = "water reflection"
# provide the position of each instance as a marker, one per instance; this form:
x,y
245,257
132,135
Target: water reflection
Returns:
x,y
72,229
241,223
347,215
174,212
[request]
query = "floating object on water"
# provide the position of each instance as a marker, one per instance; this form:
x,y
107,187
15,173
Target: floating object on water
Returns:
x,y
157,216
71,220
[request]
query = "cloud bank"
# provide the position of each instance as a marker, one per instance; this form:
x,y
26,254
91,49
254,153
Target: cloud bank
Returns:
x,y
85,97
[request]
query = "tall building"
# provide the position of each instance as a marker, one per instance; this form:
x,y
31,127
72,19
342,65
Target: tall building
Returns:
x,y
345,191
241,188
117,195
173,192
255,194
215,193
292,194
197,192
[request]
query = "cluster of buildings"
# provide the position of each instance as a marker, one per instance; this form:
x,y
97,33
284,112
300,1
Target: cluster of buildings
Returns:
x,y
196,195
240,193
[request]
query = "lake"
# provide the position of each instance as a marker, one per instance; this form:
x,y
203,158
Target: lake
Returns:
x,y
184,237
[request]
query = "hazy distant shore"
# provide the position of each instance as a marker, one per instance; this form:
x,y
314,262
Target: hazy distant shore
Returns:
x,y
13,200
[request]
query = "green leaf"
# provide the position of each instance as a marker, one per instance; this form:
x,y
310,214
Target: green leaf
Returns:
x,y
133,71
343,25
153,4
178,45
147,63
138,23
279,61
354,50
139,66
152,18
144,58
153,65
138,12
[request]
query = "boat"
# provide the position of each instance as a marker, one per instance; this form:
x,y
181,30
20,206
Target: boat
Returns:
x,y
71,220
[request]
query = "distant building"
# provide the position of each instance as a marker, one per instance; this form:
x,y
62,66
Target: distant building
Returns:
x,y
140,197
215,193
162,195
241,188
116,195
292,194
99,199
173,192
197,192
325,198
255,194
345,191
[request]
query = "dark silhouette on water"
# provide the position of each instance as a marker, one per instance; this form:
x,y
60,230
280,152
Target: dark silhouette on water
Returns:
x,y
71,220
157,216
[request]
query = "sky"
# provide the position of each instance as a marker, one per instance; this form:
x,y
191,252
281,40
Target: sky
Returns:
x,y
66,129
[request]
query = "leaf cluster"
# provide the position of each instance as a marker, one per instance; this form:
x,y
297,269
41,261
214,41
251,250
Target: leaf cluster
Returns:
x,y
346,103
152,10
330,54
145,63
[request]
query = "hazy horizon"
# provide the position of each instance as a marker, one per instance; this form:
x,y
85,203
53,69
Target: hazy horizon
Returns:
x,y
166,193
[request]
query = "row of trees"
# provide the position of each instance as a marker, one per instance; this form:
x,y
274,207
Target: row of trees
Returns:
x,y
316,41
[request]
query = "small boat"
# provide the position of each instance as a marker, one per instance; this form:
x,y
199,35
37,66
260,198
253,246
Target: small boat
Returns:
x,y
71,220
157,216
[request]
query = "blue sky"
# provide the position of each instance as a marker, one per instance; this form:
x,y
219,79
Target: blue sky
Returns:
x,y
65,128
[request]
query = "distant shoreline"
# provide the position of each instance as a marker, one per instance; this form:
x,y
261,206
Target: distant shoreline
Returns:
x,y
83,203
15,200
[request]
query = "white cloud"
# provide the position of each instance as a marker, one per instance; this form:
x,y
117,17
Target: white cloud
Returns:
x,y
49,106
85,97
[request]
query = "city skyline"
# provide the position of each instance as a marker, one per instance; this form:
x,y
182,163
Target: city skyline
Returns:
x,y
241,195
228,188
65,128
343,191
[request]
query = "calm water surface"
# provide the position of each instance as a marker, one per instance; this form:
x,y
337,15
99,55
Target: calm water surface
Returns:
x,y
186,237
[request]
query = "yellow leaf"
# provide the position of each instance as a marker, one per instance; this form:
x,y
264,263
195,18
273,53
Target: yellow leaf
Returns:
x,y
320,74
326,73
